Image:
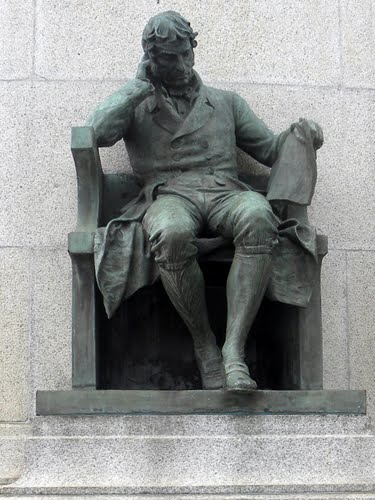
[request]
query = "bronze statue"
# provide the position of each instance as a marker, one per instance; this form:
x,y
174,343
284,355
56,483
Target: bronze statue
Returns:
x,y
181,137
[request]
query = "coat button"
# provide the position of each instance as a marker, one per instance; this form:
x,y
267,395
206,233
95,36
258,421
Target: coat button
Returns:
x,y
204,144
177,157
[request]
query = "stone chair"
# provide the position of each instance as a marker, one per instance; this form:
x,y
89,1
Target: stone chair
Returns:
x,y
291,342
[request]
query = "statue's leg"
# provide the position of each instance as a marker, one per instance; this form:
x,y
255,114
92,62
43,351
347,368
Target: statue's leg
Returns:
x,y
248,219
246,284
172,224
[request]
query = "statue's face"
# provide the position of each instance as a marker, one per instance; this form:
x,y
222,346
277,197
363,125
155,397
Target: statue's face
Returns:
x,y
173,63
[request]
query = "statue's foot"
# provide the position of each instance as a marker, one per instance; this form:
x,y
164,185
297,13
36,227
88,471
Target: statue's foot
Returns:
x,y
237,377
211,370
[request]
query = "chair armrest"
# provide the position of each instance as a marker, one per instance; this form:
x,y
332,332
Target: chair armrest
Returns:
x,y
89,178
81,243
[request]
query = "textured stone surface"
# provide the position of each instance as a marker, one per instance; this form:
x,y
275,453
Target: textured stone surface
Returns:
x,y
103,41
191,454
51,341
146,463
14,333
361,293
12,460
349,495
353,197
12,451
358,41
201,425
38,204
291,496
274,42
58,107
16,169
326,492
334,319
16,38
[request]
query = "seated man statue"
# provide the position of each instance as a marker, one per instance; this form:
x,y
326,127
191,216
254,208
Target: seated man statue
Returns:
x,y
181,137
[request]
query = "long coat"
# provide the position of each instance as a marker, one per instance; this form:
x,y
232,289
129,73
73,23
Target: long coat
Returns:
x,y
161,144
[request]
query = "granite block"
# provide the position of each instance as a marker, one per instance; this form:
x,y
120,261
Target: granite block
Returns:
x,y
16,39
210,456
16,171
12,451
100,40
200,425
358,43
152,464
52,187
353,198
361,293
350,494
104,40
51,341
14,334
12,460
36,190
265,42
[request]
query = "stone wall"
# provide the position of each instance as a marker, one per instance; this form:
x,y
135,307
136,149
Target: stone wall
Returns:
x,y
287,58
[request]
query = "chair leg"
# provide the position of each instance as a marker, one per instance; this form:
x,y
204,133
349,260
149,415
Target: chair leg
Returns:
x,y
310,340
84,324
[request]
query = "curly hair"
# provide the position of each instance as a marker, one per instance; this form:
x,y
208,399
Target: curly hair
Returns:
x,y
166,27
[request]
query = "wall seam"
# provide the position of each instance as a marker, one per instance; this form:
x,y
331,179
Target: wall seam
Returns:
x,y
33,40
341,52
347,322
32,332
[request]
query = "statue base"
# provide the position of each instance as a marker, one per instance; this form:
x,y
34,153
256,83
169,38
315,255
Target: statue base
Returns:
x,y
99,402
195,457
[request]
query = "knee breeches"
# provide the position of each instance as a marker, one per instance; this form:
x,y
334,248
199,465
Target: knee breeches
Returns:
x,y
173,223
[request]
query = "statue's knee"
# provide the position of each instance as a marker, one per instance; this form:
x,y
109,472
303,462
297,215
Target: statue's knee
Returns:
x,y
173,245
256,227
176,238
263,219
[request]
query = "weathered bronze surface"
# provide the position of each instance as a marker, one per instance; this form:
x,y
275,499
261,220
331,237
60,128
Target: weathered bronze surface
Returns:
x,y
182,139
190,402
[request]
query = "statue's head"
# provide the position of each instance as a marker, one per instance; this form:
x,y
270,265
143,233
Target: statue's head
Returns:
x,y
168,41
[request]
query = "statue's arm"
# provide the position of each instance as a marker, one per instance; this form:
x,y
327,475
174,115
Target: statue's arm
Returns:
x,y
253,136
112,118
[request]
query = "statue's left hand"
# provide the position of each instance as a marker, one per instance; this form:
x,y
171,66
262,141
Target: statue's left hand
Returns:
x,y
316,133
315,130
